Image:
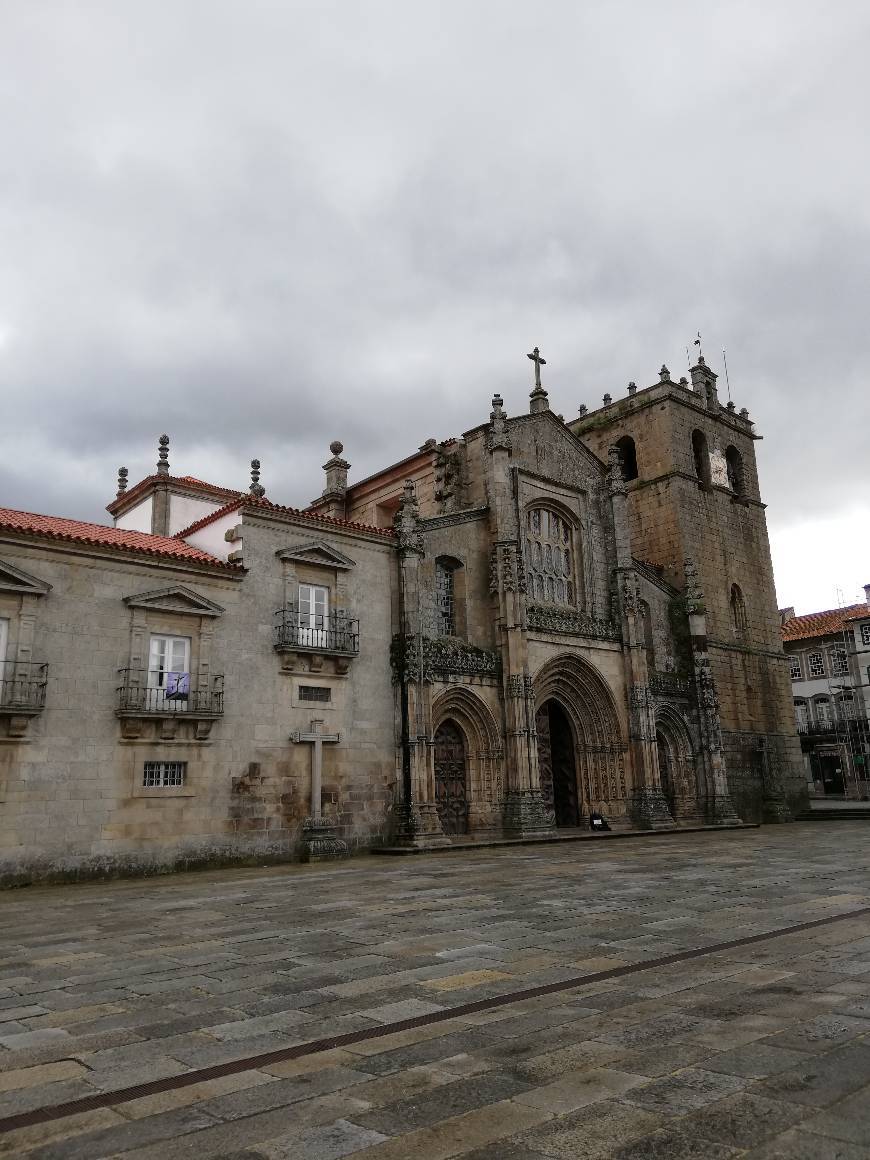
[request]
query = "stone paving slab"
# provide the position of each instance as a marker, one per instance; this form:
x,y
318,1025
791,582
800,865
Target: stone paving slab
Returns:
x,y
760,1051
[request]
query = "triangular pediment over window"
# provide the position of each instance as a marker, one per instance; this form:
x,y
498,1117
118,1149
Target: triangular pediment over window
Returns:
x,y
316,552
177,598
14,580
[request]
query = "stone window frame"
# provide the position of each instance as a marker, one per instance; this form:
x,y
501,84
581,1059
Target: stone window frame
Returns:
x,y
701,458
737,605
20,596
829,715
156,777
455,566
816,665
735,470
569,574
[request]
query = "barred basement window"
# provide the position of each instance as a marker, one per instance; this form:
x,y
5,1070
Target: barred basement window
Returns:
x,y
314,693
163,774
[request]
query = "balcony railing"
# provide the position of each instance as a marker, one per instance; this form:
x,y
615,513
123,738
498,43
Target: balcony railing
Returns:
x,y
334,633
160,693
22,687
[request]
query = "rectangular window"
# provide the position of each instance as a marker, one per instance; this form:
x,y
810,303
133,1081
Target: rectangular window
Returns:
x,y
815,664
314,693
794,664
444,600
839,661
4,642
164,774
168,663
865,635
313,615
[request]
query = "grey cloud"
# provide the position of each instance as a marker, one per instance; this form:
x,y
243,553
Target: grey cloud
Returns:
x,y
262,226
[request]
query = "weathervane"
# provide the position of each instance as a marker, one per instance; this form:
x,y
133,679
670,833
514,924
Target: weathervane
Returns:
x,y
539,362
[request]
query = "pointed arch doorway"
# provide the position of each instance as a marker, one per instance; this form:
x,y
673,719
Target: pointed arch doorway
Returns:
x,y
557,763
451,778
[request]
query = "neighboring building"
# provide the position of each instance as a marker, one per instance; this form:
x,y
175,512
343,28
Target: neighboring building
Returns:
x,y
497,635
829,664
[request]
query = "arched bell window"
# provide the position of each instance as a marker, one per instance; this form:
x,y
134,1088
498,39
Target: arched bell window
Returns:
x,y
628,457
701,457
734,465
550,557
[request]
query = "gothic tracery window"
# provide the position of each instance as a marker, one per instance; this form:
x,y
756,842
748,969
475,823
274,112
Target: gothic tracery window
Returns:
x,y
444,599
549,557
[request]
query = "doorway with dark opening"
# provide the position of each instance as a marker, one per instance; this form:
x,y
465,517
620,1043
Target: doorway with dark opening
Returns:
x,y
557,763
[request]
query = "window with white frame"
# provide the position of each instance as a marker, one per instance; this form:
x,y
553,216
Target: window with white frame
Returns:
x,y
169,669
549,557
822,708
313,614
839,661
815,664
794,664
801,716
847,707
164,774
865,635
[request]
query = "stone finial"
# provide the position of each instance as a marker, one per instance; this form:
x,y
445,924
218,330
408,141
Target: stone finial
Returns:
x,y
744,414
256,488
664,374
582,409
336,470
429,445
497,407
407,520
538,401
702,362
163,455
684,382
730,405
632,388
122,480
607,400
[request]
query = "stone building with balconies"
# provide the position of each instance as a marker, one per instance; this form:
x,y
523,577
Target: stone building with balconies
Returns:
x,y
497,636
829,666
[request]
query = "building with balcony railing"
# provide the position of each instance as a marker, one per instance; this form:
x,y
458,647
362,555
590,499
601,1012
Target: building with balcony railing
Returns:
x,y
828,655
22,693
299,632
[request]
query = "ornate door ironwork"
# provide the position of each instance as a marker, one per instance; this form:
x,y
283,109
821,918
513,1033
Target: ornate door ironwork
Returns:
x,y
451,780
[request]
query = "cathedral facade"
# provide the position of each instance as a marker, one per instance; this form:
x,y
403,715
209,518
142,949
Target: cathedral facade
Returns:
x,y
498,636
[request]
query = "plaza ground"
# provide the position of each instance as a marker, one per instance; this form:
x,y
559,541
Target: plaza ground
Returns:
x,y
760,1049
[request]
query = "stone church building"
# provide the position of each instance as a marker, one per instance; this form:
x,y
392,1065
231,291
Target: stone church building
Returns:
x,y
494,637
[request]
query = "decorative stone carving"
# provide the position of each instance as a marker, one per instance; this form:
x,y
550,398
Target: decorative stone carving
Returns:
x,y
163,455
520,685
441,655
497,438
407,522
123,473
525,814
669,685
649,809
319,841
570,622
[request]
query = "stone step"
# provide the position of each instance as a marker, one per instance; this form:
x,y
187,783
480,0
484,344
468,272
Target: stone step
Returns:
x,y
833,814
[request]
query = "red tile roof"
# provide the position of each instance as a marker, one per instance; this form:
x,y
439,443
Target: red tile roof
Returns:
x,y
822,623
188,481
253,501
78,532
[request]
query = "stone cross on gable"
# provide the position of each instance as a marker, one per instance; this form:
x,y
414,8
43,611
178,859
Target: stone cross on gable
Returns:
x,y
316,737
539,362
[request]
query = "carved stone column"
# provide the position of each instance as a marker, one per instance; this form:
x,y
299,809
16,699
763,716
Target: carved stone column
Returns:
x,y
720,808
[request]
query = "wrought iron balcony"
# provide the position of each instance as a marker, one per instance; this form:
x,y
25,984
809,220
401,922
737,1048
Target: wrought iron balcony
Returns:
x,y
335,633
157,693
22,688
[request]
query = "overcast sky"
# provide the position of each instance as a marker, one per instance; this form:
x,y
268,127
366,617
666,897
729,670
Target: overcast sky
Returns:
x,y
261,225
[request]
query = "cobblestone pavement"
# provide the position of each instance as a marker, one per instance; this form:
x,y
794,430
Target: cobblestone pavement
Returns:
x,y
761,1050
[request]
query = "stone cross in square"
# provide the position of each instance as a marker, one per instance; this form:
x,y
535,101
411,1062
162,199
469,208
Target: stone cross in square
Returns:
x,y
539,362
316,737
